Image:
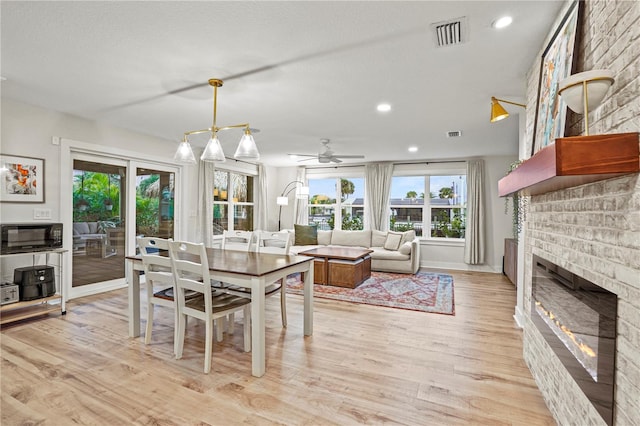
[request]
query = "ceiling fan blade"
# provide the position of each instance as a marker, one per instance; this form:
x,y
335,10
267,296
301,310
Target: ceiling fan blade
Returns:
x,y
307,159
348,156
304,155
335,160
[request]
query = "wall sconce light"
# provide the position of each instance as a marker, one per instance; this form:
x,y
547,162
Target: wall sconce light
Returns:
x,y
283,199
247,149
498,112
584,92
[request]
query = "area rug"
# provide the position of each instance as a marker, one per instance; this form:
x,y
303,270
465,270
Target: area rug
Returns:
x,y
424,291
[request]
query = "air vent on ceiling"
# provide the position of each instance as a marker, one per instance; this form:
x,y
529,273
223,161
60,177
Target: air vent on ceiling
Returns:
x,y
451,32
454,133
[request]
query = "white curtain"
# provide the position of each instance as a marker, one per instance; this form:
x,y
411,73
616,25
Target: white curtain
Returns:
x,y
262,223
474,236
206,176
300,210
378,188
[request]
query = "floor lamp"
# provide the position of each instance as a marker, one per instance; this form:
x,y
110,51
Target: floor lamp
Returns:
x,y
283,199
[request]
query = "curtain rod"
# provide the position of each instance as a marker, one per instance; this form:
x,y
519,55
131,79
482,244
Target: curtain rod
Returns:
x,y
409,163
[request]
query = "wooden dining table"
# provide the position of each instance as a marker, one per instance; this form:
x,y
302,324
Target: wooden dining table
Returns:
x,y
246,269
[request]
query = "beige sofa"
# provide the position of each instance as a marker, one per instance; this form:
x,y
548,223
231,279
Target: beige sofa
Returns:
x,y
401,255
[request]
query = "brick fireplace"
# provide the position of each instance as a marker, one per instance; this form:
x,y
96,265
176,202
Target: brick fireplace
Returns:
x,y
593,230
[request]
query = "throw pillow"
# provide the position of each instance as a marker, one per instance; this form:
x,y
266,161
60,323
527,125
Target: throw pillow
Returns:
x,y
405,248
393,240
306,235
408,236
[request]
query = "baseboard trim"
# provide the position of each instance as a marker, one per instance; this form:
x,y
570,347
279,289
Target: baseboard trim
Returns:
x,y
462,267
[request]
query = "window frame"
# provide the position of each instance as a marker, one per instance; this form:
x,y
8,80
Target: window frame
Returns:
x,y
230,203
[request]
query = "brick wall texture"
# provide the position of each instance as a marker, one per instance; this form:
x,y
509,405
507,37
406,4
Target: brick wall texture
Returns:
x,y
593,230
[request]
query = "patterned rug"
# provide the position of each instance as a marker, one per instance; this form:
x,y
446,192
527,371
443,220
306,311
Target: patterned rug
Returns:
x,y
425,291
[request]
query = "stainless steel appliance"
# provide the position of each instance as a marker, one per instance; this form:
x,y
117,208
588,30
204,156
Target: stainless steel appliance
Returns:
x,y
30,237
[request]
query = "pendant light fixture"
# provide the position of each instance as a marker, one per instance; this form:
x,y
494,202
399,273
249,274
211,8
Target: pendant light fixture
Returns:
x,y
247,149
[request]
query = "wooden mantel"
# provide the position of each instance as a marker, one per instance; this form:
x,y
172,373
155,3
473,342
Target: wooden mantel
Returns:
x,y
574,161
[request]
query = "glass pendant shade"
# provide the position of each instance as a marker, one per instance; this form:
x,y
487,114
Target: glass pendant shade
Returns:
x,y
184,154
247,148
213,151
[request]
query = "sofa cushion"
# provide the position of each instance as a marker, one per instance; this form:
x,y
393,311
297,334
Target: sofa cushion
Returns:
x,y
378,238
405,248
380,253
351,238
81,228
393,240
324,238
93,227
305,235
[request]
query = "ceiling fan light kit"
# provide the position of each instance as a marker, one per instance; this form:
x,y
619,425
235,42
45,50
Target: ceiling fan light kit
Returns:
x,y
498,112
247,149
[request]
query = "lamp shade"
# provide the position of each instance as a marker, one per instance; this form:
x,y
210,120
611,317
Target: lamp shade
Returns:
x,y
213,151
282,201
184,153
497,111
247,148
585,90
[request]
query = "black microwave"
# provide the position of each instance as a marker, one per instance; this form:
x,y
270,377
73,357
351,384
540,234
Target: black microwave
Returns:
x,y
30,237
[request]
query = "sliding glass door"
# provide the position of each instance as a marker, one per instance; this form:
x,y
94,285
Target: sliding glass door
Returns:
x,y
99,220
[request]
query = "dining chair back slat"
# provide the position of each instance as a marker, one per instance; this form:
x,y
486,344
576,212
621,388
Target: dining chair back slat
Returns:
x,y
191,272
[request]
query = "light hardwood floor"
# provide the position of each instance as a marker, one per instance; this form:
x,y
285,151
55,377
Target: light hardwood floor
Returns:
x,y
363,364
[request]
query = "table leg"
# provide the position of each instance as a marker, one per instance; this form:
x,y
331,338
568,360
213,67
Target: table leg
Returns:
x,y
134,304
258,364
308,300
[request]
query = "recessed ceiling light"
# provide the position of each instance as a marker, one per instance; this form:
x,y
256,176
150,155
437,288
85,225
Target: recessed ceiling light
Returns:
x,y
384,107
505,21
413,149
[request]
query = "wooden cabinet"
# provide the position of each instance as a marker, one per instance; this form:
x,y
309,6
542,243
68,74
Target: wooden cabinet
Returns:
x,y
510,261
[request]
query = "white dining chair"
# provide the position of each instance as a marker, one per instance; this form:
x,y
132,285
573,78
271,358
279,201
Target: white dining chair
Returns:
x,y
274,243
191,273
160,284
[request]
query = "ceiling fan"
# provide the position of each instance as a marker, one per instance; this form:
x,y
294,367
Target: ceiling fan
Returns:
x,y
326,156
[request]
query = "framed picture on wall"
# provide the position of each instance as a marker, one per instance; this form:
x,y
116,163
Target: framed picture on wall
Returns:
x,y
22,179
557,64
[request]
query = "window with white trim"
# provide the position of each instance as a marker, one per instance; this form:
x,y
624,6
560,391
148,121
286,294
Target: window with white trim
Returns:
x,y
434,205
232,192
336,203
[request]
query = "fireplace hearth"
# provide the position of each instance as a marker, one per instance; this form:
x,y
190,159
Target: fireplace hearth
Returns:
x,y
577,319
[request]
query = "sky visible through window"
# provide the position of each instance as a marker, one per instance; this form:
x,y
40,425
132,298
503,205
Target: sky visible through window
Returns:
x,y
399,188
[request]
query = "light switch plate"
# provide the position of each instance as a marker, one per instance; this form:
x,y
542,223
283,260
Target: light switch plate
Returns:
x,y
42,214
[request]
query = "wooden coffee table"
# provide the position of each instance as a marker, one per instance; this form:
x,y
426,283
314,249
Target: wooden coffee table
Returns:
x,y
340,266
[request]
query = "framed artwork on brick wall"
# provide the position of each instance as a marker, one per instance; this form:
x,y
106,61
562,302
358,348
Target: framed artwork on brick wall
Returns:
x,y
22,179
556,64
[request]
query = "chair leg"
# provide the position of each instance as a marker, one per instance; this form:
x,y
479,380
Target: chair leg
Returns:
x,y
219,329
147,333
182,321
247,327
176,335
283,302
208,345
231,319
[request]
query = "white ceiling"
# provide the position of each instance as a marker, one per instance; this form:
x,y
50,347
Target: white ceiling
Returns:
x,y
313,70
